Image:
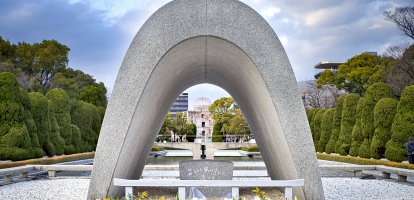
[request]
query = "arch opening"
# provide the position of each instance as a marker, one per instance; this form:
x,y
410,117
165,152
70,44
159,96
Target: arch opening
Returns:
x,y
189,42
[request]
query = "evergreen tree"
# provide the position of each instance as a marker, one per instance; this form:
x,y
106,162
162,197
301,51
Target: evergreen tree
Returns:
x,y
357,137
326,129
82,117
55,138
347,124
402,127
15,141
317,120
374,93
384,114
311,116
60,100
336,125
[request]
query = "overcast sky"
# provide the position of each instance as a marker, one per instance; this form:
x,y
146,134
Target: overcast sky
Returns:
x,y
99,32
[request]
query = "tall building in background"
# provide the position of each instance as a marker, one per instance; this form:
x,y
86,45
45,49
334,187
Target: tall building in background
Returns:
x,y
180,104
200,116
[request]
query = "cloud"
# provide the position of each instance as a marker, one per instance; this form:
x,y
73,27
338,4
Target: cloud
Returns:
x,y
375,26
269,12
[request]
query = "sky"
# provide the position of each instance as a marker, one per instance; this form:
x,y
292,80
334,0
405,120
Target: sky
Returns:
x,y
99,32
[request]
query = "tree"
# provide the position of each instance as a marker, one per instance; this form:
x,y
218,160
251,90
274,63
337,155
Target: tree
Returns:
x,y
94,94
384,114
357,74
61,102
311,118
374,93
326,129
221,109
317,126
403,17
15,141
357,137
336,126
322,97
402,127
348,122
82,116
400,73
166,127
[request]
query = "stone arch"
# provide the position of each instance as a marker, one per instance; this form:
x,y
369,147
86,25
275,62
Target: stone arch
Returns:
x,y
189,42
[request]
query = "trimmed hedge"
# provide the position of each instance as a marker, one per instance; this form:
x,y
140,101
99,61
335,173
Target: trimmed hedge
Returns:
x,y
348,122
40,111
157,148
311,119
402,127
55,137
326,129
384,114
357,137
336,125
48,161
375,92
317,120
60,100
363,161
82,116
31,124
251,148
15,141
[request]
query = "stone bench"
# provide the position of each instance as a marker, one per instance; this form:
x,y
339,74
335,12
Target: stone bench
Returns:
x,y
234,184
386,171
401,173
357,169
9,172
52,169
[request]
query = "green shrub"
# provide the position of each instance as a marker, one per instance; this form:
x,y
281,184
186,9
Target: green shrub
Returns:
x,y
384,114
15,141
37,152
326,129
363,161
251,148
357,137
217,135
347,124
317,120
40,111
55,138
82,116
157,148
336,125
76,138
375,92
311,116
402,127
48,161
60,100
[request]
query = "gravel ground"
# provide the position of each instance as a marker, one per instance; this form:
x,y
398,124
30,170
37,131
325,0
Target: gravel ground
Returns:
x,y
335,188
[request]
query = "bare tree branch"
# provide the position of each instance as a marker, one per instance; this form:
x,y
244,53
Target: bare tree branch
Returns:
x,y
403,17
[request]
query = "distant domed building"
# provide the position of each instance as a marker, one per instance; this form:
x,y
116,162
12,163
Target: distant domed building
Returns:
x,y
200,116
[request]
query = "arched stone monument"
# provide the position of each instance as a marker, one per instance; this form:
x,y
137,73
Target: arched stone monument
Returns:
x,y
221,42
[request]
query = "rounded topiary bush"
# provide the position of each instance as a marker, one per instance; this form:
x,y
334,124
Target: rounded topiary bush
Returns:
x,y
82,116
384,114
326,129
310,114
15,141
347,124
357,137
60,100
402,127
55,138
76,138
40,111
36,149
375,92
317,120
336,125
